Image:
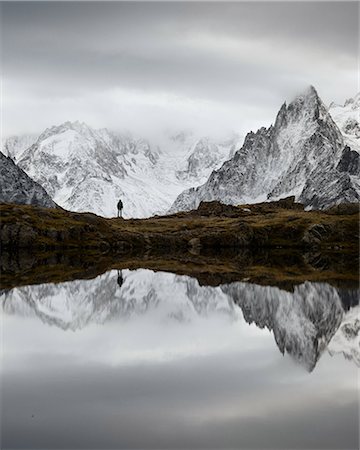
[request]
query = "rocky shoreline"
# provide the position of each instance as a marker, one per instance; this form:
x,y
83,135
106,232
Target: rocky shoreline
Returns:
x,y
284,268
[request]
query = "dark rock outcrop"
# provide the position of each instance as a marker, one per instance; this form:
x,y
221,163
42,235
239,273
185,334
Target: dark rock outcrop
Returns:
x,y
349,162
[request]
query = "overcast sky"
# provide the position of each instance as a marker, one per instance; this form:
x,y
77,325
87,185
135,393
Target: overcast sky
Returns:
x,y
213,67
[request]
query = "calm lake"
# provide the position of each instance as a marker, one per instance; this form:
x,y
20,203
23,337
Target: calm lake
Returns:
x,y
142,359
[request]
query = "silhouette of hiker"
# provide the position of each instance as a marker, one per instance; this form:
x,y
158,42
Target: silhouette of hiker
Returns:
x,y
120,207
120,278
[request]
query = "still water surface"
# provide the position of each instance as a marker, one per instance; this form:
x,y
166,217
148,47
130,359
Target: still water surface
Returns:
x,y
154,360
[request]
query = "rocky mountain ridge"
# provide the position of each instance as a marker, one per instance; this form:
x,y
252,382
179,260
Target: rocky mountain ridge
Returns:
x,y
303,154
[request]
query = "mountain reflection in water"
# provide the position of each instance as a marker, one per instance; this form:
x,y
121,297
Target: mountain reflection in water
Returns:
x,y
303,321
159,334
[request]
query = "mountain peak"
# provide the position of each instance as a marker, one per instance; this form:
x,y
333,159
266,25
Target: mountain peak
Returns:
x,y
311,91
308,97
307,108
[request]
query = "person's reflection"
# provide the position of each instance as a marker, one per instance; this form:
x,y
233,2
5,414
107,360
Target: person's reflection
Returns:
x,y
120,278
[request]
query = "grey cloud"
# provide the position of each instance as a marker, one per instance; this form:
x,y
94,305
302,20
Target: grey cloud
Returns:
x,y
334,23
252,55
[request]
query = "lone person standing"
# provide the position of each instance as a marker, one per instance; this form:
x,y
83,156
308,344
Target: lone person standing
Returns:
x,y
120,207
120,278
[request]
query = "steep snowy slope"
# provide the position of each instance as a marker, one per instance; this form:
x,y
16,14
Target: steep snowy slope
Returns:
x,y
302,154
84,169
205,156
302,322
17,187
347,119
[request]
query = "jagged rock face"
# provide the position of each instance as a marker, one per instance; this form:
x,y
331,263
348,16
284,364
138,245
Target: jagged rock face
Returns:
x,y
84,169
299,155
349,162
303,322
17,187
334,188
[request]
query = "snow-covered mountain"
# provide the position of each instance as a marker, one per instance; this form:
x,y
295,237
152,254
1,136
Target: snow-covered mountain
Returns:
x,y
85,169
302,154
303,322
17,187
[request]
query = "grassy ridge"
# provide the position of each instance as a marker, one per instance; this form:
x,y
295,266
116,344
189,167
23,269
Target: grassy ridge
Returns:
x,y
253,226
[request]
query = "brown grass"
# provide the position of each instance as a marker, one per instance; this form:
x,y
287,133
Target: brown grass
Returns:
x,y
277,228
